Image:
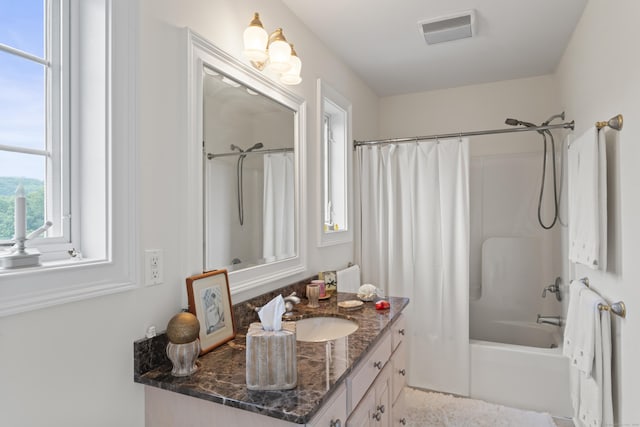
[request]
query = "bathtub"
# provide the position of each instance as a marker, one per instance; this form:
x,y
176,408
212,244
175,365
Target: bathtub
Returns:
x,y
520,364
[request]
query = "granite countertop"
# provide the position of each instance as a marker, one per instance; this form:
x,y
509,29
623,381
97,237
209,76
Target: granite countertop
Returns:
x,y
221,374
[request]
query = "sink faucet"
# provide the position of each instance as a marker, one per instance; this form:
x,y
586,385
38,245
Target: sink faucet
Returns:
x,y
554,288
550,320
289,302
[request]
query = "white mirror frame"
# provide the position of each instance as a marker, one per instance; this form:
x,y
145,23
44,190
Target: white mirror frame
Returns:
x,y
327,93
201,52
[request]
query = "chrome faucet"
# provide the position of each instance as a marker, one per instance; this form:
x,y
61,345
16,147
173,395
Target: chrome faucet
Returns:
x,y
289,302
551,320
554,288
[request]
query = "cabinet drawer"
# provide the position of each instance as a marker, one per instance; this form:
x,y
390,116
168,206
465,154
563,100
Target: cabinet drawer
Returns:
x,y
367,371
334,411
398,330
399,374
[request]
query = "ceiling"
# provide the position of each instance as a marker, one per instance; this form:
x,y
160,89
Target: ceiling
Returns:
x,y
380,40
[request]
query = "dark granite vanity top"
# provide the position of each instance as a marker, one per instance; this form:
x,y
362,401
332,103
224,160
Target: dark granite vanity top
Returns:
x,y
221,374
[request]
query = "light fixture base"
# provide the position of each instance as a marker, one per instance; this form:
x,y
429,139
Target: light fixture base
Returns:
x,y
259,65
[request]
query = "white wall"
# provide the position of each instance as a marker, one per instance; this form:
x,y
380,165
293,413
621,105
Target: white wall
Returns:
x,y
72,365
476,107
599,76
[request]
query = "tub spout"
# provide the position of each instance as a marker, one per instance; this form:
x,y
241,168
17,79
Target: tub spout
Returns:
x,y
550,320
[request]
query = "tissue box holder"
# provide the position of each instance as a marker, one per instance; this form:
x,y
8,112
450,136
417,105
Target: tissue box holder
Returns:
x,y
271,358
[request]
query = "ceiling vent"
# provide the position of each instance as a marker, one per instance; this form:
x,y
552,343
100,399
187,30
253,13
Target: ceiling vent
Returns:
x,y
448,28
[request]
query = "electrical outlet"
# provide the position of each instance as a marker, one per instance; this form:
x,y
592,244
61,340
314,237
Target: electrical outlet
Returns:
x,y
152,267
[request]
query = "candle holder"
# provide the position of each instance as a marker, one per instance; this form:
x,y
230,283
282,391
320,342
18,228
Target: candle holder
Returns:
x,y
19,255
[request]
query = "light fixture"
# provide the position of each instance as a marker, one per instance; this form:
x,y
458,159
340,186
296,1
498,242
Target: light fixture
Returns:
x,y
292,76
272,52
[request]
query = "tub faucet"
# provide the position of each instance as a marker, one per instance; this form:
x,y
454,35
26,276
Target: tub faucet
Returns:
x,y
550,320
554,288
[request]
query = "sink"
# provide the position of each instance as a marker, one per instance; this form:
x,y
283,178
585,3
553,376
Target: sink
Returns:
x,y
320,329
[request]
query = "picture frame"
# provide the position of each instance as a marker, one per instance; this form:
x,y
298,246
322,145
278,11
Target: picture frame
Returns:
x,y
330,282
210,301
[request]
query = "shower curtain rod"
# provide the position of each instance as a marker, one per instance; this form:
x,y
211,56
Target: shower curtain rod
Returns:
x,y
246,153
567,125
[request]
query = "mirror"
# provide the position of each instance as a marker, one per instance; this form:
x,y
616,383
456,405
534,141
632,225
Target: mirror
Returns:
x,y
249,131
334,122
248,176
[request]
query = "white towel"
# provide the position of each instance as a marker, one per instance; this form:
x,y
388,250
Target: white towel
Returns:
x,y
588,200
349,279
572,326
591,395
584,344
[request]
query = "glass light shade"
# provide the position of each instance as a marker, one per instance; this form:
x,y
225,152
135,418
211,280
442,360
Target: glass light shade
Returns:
x,y
292,76
279,56
255,43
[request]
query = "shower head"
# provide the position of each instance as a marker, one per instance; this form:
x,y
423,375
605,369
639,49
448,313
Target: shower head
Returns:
x,y
256,146
516,122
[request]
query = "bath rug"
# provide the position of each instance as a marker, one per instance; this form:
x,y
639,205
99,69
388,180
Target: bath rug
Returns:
x,y
430,409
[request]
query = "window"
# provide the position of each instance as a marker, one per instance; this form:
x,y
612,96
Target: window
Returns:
x,y
335,135
32,150
66,67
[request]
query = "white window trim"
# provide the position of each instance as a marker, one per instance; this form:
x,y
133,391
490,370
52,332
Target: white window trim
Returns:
x,y
326,94
116,269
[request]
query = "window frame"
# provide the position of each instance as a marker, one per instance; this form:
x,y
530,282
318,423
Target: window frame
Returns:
x,y
101,135
332,103
56,145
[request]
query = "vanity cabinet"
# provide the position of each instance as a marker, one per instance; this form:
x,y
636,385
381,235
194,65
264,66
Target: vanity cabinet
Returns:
x,y
334,413
376,385
370,394
375,408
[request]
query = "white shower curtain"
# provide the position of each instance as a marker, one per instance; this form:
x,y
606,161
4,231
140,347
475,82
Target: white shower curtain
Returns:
x,y
415,243
278,213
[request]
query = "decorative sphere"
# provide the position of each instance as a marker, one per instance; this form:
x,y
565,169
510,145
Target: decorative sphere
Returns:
x,y
183,328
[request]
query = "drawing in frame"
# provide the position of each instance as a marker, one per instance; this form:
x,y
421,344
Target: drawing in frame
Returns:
x,y
210,302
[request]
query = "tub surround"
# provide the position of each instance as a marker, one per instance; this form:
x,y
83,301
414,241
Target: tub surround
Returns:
x,y
221,374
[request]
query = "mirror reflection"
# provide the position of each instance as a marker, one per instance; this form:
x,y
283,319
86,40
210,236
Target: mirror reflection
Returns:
x,y
249,176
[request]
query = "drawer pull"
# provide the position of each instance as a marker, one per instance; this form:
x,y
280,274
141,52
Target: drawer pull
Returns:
x,y
380,408
403,421
335,423
402,372
401,331
376,416
378,364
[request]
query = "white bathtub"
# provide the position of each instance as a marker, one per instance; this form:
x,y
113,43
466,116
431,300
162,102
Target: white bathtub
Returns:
x,y
522,370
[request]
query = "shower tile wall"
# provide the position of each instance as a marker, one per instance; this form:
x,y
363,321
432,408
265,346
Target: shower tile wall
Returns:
x,y
504,192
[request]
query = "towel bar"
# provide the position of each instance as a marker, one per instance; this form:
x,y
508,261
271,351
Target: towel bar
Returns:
x,y
617,308
613,123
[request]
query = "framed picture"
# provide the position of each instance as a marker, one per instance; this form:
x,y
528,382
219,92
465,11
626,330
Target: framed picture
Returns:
x,y
330,282
210,302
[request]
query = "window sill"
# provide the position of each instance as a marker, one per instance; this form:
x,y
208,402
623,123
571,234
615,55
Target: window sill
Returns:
x,y
60,282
